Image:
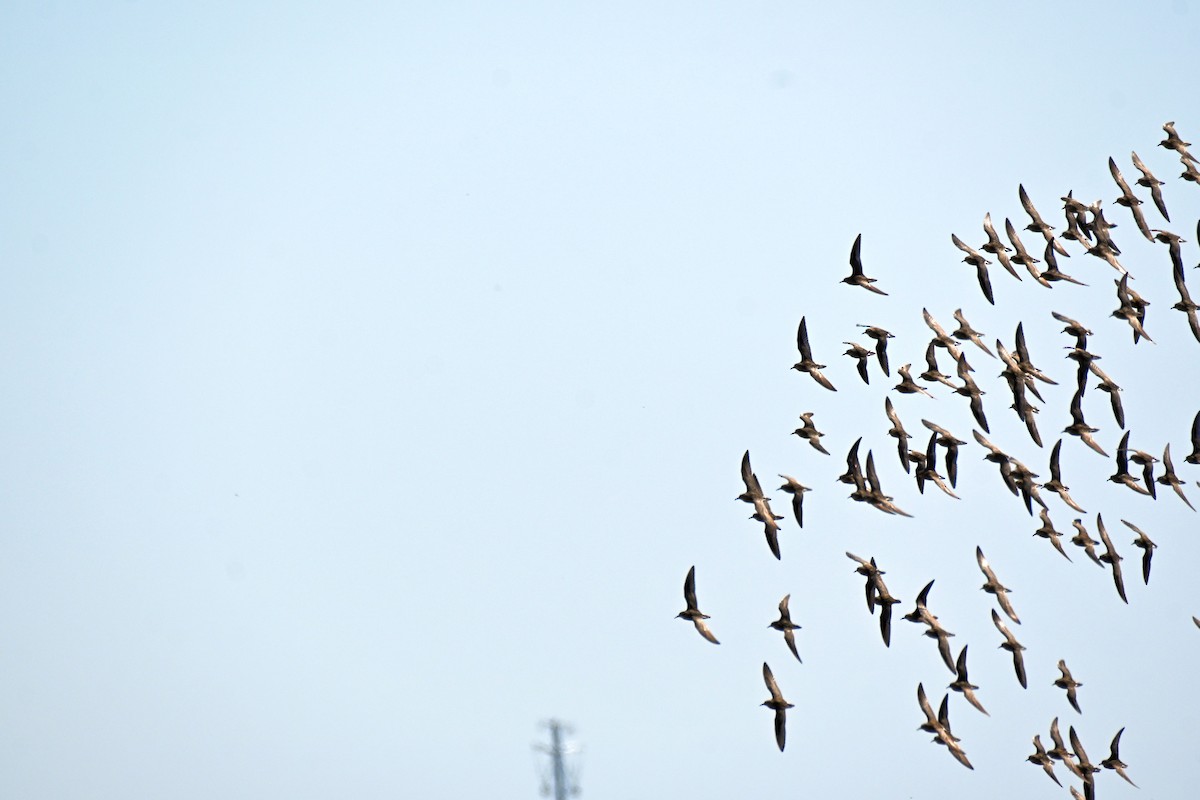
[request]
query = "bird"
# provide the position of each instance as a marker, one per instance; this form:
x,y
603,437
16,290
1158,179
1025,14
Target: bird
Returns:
x,y
785,624
1013,646
965,333
951,443
861,355
1129,310
922,614
1055,483
993,586
897,431
932,374
1169,478
1152,183
975,259
1173,142
1129,199
1108,386
927,471
806,363
1059,751
857,278
870,571
692,612
1194,456
1074,328
999,457
1114,761
963,685
1086,767
1052,273
1022,256
1111,557
1043,760
1186,304
1068,682
778,705
997,247
810,433
796,490
1080,428
1038,225
1047,531
880,336
1123,475
1146,462
973,393
939,726
907,385
1143,541
1082,539
762,506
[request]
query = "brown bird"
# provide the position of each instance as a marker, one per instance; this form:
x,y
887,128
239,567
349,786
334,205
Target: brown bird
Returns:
x,y
1152,183
1080,428
1037,224
1114,761
907,385
1111,556
1047,531
857,278
932,374
965,333
897,431
922,614
762,505
973,393
880,336
692,612
861,355
1173,142
809,433
785,624
1022,256
1131,310
1068,682
1194,456
806,363
993,586
1186,304
1147,546
1086,768
997,247
1123,475
1074,328
1082,539
1043,760
927,469
1059,751
1169,478
1146,462
951,443
963,685
778,705
1013,646
1129,199
1052,273
939,726
975,259
1055,483
1109,387
796,489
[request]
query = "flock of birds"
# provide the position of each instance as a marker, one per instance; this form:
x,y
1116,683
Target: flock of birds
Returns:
x,y
1087,227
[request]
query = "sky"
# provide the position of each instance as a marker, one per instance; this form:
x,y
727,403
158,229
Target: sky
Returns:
x,y
374,373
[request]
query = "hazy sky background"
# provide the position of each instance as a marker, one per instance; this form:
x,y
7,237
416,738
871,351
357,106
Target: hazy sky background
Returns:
x,y
373,374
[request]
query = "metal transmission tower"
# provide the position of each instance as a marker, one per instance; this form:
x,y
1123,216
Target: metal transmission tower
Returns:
x,y
563,779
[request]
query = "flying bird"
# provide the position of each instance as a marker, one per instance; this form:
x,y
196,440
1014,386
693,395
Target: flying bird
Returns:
x,y
785,624
939,726
976,259
692,612
1013,646
1038,225
1169,478
1111,557
810,433
1129,199
1147,546
897,431
1068,682
1109,387
1052,273
951,443
880,336
857,278
1082,539
806,363
778,705
963,685
861,355
796,490
1043,760
1152,183
1194,456
1080,428
993,586
762,505
997,247
965,333
1055,483
1123,475
1114,761
1022,256
1047,531
907,385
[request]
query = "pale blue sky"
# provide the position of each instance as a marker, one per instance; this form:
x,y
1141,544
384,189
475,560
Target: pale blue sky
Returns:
x,y
374,373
